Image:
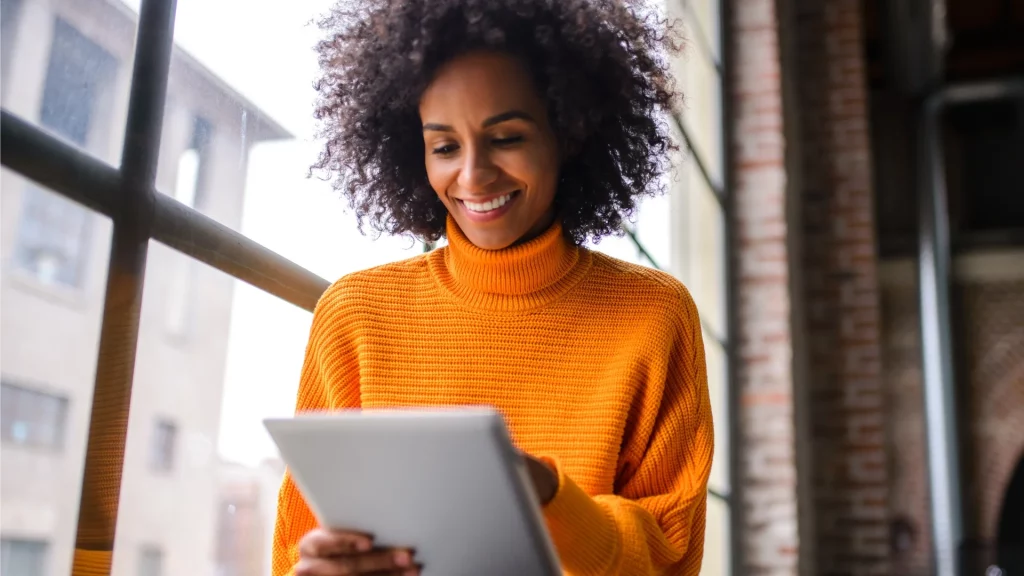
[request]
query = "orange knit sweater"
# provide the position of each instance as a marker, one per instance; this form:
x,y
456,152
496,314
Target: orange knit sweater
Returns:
x,y
597,366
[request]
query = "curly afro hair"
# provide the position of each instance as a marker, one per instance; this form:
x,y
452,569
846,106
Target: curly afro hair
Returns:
x,y
600,65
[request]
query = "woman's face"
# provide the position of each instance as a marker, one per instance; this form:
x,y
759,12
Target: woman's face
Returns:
x,y
491,155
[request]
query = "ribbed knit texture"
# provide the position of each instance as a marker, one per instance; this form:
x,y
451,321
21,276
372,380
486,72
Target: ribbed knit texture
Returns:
x,y
597,366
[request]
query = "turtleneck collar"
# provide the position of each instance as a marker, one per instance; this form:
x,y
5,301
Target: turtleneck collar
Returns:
x,y
520,277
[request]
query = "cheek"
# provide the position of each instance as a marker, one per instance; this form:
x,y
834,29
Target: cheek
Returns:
x,y
537,168
440,178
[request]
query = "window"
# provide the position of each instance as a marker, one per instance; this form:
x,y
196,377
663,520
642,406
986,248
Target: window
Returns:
x,y
242,136
54,233
53,238
182,290
151,561
32,418
161,455
22,557
10,13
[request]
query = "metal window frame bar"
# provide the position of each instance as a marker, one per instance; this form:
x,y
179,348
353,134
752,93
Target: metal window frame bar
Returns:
x,y
934,257
737,553
139,213
87,180
718,189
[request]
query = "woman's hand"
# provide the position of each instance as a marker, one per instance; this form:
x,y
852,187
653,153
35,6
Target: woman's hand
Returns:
x,y
324,552
545,480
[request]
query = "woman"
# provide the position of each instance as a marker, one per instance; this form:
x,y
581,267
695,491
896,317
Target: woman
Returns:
x,y
518,129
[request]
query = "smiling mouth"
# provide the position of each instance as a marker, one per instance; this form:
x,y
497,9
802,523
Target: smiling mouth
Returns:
x,y
490,205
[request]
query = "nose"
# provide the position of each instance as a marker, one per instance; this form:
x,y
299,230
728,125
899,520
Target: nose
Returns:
x,y
477,171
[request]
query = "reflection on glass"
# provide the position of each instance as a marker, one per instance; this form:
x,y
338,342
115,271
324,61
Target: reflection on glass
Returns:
x,y
50,334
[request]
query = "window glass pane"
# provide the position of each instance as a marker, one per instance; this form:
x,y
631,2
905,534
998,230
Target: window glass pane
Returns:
x,y
716,540
653,227
67,68
651,222
700,236
701,111
702,25
620,247
719,391
50,334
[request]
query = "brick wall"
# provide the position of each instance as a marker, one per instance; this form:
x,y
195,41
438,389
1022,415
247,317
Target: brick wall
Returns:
x,y
990,336
764,378
841,293
911,553
820,260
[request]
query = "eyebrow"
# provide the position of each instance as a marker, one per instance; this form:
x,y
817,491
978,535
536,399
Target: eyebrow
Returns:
x,y
493,120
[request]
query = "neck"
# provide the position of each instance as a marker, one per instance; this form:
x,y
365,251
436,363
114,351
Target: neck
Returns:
x,y
545,222
528,273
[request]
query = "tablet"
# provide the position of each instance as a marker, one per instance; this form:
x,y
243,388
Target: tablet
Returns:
x,y
447,482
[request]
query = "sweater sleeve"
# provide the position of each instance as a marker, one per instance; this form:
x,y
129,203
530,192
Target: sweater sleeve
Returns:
x,y
329,380
654,524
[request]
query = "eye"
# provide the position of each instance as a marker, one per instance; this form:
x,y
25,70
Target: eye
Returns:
x,y
507,141
444,150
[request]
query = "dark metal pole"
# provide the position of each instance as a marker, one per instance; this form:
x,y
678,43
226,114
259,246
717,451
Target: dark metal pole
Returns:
x,y
57,165
133,217
737,556
209,241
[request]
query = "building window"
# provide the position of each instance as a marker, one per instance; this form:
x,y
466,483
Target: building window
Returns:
x,y
32,418
54,233
189,185
151,561
10,14
161,455
22,557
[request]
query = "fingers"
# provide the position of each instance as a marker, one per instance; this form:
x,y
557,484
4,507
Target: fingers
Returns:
x,y
382,563
322,543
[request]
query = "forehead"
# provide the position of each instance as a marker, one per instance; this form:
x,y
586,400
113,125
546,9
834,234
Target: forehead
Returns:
x,y
475,86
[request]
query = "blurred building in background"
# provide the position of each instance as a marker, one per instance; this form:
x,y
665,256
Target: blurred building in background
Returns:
x,y
848,212
67,66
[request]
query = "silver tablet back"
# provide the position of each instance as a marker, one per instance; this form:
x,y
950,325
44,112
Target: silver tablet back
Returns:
x,y
446,482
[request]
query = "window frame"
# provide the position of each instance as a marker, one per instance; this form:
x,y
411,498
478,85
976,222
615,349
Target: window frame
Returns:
x,y
59,425
140,213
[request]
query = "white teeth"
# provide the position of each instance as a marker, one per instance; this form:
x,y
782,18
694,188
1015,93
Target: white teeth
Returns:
x,y
489,205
